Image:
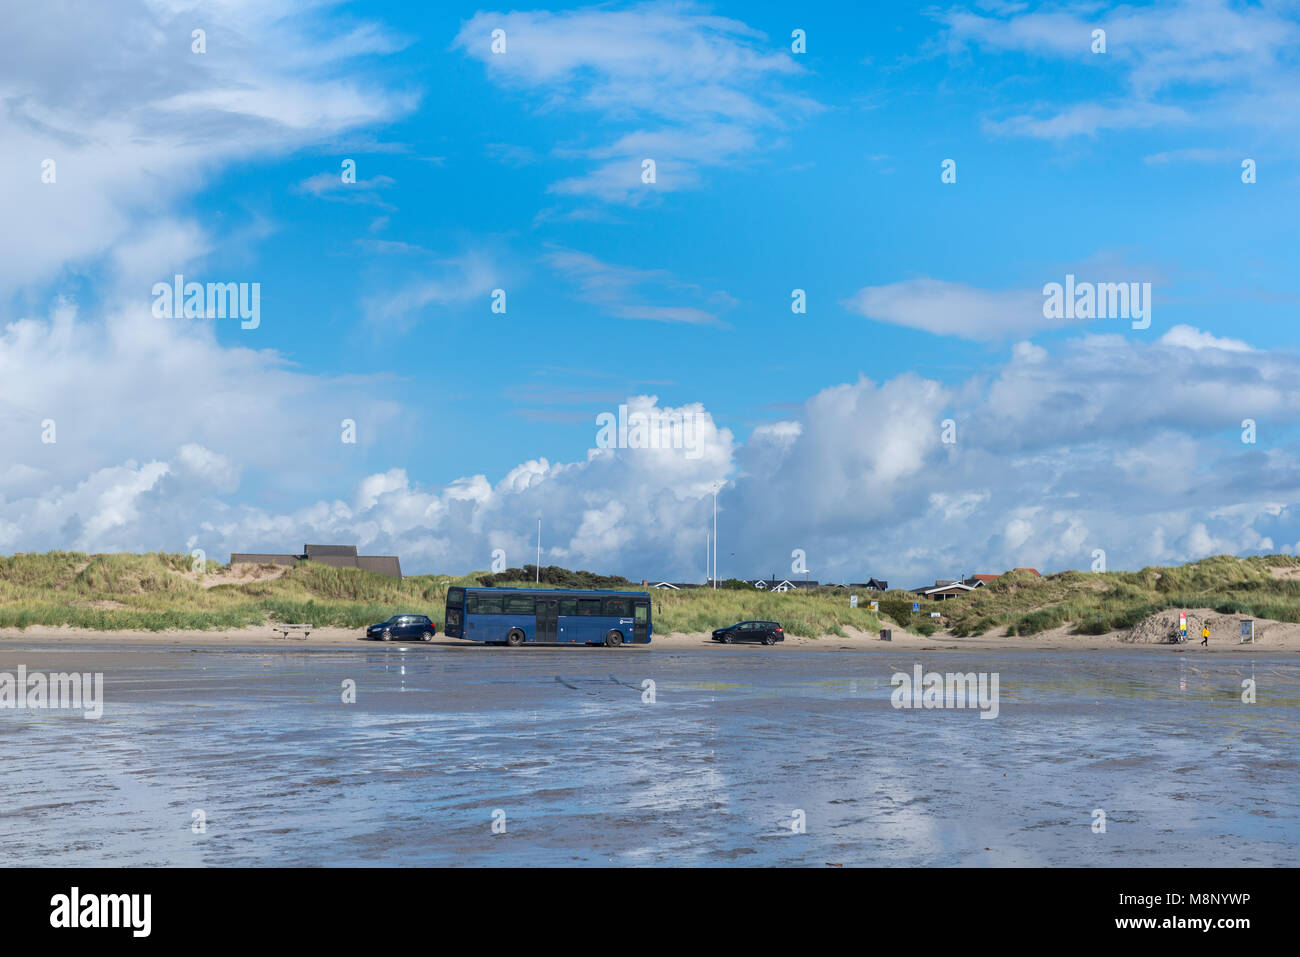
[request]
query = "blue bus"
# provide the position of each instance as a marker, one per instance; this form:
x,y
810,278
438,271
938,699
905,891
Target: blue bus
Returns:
x,y
538,616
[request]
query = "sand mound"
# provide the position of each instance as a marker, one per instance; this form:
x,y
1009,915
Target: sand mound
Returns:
x,y
1161,628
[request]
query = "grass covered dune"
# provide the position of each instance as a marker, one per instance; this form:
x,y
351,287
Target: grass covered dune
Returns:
x,y
161,592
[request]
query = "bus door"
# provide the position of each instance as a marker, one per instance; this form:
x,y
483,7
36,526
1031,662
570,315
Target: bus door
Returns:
x,y
547,616
641,621
453,621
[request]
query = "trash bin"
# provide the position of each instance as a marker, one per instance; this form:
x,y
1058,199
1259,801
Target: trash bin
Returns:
x,y
886,634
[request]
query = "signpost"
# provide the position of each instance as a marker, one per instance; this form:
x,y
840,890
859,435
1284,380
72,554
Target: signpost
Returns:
x,y
853,601
1247,631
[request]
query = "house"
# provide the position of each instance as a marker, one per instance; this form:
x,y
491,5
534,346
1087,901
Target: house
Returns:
x,y
265,558
874,584
666,585
772,584
945,588
336,556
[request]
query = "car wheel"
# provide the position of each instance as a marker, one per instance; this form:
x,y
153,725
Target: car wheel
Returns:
x,y
386,636
515,638
769,640
427,636
727,639
613,639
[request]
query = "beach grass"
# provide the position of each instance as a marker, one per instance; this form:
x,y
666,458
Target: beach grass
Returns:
x,y
1101,602
161,591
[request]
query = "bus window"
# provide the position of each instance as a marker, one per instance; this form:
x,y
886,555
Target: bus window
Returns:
x,y
568,606
489,606
642,613
471,605
589,606
519,605
617,607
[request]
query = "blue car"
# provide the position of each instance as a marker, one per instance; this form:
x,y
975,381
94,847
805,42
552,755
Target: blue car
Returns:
x,y
403,628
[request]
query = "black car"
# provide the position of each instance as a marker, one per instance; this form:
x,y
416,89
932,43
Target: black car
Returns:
x,y
403,628
768,632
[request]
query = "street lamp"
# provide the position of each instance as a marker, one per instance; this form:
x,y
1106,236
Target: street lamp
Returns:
x,y
715,535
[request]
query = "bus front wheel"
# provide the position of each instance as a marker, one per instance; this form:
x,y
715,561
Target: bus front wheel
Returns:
x,y
515,638
613,639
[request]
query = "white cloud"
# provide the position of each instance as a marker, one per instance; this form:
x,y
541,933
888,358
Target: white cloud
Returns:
x,y
685,88
620,290
1236,59
1190,338
439,283
1094,446
953,309
133,119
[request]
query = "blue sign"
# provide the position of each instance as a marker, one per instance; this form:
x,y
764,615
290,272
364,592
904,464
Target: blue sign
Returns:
x,y
916,606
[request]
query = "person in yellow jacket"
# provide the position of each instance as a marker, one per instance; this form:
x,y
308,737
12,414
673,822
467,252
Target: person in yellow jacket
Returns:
x,y
1205,633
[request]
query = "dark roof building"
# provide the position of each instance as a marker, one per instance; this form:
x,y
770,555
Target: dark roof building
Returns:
x,y
384,564
335,556
319,552
264,558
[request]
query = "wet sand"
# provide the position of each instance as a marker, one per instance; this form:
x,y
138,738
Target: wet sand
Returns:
x,y
738,743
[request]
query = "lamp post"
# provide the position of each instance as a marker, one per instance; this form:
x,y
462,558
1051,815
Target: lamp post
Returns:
x,y
715,536
539,550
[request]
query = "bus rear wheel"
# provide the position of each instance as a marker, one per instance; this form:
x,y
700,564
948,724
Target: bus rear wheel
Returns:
x,y
613,639
515,638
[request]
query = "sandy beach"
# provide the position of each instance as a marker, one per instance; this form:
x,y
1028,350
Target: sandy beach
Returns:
x,y
1270,637
290,768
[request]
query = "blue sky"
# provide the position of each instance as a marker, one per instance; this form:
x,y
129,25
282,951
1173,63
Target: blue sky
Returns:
x,y
776,171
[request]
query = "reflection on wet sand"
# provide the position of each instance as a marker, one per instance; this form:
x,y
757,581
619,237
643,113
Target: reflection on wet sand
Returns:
x,y
733,749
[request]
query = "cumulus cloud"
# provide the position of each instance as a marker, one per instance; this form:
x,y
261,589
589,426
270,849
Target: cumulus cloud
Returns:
x,y
1094,446
105,409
